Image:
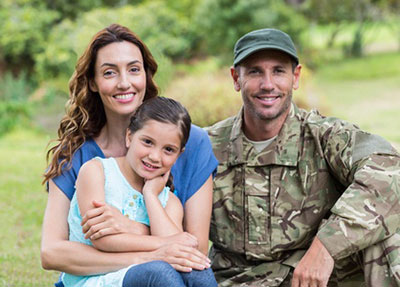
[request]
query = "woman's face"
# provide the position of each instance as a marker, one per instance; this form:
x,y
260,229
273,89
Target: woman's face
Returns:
x,y
119,78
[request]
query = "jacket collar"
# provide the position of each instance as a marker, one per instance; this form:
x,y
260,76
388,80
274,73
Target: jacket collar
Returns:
x,y
284,150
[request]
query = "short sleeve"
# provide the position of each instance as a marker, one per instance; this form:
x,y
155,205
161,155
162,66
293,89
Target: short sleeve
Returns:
x,y
195,164
66,180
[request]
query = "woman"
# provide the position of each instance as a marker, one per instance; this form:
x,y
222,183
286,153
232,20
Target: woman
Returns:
x,y
107,86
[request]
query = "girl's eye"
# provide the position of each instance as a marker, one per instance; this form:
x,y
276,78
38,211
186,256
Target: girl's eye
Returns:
x,y
170,150
147,141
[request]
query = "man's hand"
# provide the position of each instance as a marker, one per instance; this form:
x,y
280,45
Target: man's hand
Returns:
x,y
315,268
104,220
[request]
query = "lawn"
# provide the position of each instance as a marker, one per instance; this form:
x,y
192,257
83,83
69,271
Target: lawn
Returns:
x,y
365,91
22,203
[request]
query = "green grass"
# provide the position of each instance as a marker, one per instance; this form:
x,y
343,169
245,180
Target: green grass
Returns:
x,y
22,203
367,68
365,91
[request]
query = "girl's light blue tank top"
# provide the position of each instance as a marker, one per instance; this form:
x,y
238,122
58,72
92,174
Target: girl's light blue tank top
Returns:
x,y
120,194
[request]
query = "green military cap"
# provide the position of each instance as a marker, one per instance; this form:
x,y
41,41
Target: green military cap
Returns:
x,y
263,39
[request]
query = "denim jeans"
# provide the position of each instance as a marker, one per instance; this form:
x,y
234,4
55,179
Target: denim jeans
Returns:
x,y
162,274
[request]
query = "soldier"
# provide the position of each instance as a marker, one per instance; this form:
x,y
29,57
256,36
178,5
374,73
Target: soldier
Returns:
x,y
299,199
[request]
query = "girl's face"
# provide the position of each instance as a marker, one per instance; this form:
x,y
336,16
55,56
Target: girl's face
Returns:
x,y
119,78
153,149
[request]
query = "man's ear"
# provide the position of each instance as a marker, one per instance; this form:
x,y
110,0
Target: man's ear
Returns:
x,y
235,78
93,86
296,77
128,138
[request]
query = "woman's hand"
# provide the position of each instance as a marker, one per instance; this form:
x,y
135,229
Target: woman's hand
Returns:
x,y
182,258
183,238
104,220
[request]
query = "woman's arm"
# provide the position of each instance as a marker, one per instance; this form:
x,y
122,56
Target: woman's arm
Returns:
x,y
58,253
197,214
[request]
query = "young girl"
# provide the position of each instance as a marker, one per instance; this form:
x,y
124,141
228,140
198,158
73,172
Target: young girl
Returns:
x,y
135,184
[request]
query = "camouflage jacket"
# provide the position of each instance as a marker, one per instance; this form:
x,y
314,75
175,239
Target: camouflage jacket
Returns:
x,y
320,176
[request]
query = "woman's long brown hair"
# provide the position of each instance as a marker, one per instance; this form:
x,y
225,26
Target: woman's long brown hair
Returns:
x,y
85,116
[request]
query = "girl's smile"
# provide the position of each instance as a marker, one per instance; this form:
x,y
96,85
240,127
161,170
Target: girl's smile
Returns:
x,y
152,150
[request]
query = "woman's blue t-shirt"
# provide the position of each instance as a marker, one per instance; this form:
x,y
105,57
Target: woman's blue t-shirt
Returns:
x,y
190,171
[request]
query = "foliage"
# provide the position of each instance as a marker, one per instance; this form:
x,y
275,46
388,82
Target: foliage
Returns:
x,y
24,30
340,13
14,107
220,31
158,26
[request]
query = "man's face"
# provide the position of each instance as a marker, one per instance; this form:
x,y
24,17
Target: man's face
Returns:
x,y
266,80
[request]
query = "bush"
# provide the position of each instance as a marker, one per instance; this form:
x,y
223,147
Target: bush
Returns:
x,y
14,106
24,31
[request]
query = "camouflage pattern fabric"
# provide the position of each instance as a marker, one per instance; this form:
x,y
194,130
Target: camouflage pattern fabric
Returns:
x,y
320,177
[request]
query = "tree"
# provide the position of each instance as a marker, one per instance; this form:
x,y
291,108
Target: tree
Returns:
x,y
220,23
341,12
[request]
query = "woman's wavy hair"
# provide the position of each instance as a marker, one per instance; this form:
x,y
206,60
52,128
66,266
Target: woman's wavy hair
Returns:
x,y
85,116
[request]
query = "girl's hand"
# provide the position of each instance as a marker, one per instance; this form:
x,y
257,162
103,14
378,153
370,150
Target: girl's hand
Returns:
x,y
155,185
183,238
104,220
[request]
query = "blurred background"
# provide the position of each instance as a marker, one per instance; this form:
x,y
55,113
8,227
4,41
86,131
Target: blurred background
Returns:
x,y
350,51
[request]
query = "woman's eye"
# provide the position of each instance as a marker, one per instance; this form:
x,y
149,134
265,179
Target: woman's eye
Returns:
x,y
135,69
108,73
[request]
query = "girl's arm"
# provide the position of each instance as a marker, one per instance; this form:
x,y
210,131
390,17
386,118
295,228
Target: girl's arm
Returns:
x,y
197,214
104,219
163,222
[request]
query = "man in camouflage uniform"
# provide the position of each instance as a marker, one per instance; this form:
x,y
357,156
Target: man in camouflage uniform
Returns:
x,y
299,199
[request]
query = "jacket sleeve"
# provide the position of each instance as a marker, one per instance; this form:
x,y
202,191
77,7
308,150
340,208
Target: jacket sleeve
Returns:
x,y
368,211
